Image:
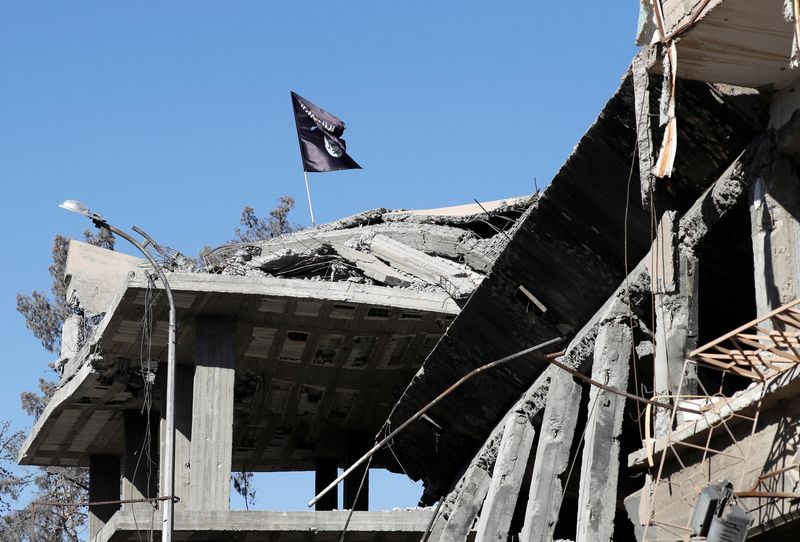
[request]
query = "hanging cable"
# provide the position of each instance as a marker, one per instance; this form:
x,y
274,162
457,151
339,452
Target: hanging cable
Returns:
x,y
427,407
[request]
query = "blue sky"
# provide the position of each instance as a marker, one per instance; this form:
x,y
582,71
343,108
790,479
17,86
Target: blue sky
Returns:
x,y
172,116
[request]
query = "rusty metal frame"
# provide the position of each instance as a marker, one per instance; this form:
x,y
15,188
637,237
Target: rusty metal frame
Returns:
x,y
761,350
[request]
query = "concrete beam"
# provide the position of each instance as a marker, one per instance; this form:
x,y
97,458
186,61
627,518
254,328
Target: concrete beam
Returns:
x,y
428,238
509,470
471,487
725,194
212,414
371,266
551,460
644,133
597,495
402,298
456,279
261,526
103,486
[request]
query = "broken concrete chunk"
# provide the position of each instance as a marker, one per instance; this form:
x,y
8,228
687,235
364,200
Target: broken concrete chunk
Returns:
x,y
95,275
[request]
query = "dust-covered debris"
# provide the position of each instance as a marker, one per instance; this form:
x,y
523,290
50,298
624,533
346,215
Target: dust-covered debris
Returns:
x,y
450,248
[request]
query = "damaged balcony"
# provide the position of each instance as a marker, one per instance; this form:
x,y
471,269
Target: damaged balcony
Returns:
x,y
296,348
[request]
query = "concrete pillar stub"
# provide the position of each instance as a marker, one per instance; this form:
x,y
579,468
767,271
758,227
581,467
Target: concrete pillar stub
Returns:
x,y
212,415
597,495
104,485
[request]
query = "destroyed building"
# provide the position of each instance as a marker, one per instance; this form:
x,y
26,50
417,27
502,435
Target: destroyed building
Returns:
x,y
664,255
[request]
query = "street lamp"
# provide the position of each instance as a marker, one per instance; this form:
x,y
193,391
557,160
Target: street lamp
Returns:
x,y
169,446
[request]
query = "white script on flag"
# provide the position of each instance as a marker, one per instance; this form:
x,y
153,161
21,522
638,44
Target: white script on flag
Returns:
x,y
325,125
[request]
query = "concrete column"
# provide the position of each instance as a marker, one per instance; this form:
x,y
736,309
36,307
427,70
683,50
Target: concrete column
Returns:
x,y
552,458
104,484
184,393
140,461
644,137
673,279
326,471
212,415
356,445
184,386
597,495
774,217
509,470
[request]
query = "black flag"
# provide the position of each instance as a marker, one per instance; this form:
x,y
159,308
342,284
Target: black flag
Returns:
x,y
320,133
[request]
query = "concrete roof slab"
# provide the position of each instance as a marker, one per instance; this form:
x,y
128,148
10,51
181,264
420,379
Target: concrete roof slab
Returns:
x,y
313,358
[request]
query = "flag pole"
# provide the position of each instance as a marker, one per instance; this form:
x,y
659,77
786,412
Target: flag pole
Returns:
x,y
308,193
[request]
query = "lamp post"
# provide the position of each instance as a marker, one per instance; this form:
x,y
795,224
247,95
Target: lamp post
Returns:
x,y
169,445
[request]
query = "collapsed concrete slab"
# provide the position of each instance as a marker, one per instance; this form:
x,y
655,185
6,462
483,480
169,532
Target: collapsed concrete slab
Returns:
x,y
563,261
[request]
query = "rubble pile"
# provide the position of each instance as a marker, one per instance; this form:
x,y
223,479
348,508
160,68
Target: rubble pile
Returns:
x,y
450,249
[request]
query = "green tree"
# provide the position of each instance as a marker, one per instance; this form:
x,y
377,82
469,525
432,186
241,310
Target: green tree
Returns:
x,y
255,228
44,316
274,224
11,483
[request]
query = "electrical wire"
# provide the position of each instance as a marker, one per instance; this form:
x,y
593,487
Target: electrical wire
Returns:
x,y
634,360
145,353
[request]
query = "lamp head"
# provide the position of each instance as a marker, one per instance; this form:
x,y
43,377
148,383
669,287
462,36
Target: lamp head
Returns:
x,y
77,207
